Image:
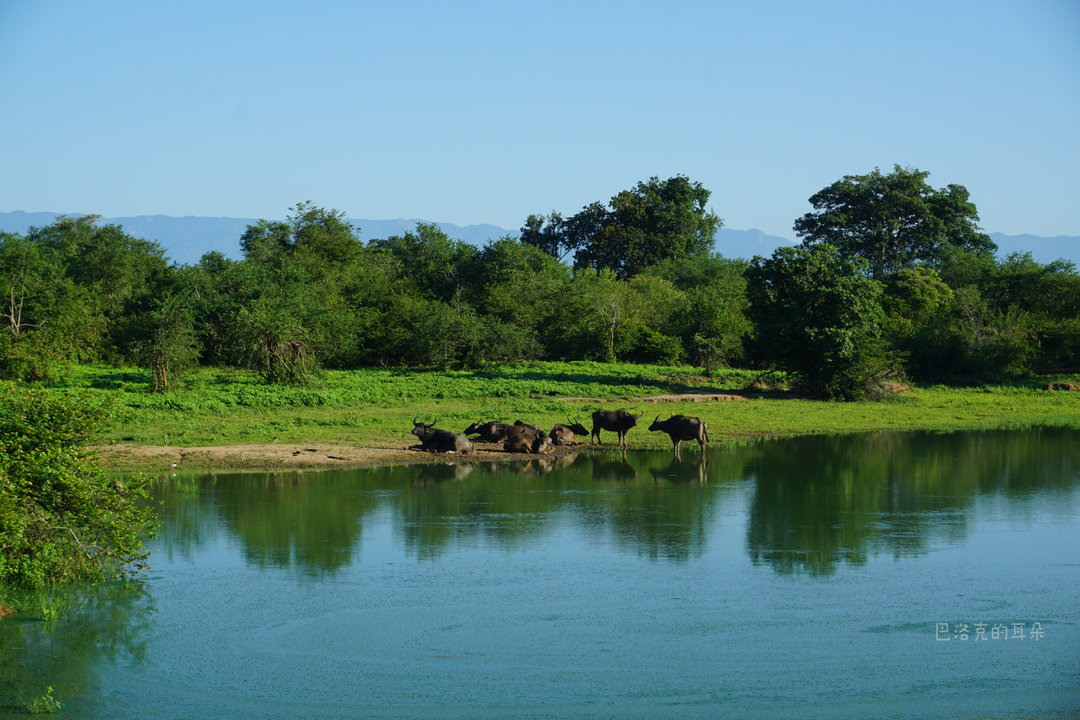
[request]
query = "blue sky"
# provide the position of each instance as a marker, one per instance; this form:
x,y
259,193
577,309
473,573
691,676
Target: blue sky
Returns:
x,y
473,112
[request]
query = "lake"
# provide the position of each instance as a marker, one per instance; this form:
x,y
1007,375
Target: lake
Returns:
x,y
885,575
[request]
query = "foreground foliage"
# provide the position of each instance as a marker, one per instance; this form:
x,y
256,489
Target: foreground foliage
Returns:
x,y
62,519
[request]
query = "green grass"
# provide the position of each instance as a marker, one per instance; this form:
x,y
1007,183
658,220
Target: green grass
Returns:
x,y
376,406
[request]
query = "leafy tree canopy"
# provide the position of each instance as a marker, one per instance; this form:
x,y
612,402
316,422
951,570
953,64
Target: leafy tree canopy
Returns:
x,y
819,317
893,220
655,221
119,270
437,264
312,235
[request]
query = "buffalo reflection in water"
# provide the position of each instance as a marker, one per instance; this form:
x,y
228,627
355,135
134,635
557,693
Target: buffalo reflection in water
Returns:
x,y
443,472
684,471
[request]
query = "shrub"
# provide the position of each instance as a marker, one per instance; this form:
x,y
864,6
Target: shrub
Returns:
x,y
62,518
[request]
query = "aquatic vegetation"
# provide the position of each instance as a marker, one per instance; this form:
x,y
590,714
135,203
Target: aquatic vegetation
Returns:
x,y
44,703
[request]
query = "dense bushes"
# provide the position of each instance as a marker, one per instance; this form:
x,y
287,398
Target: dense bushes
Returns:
x,y
62,519
819,316
310,296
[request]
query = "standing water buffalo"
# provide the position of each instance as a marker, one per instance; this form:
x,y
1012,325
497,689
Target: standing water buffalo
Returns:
x,y
443,441
616,421
565,434
681,427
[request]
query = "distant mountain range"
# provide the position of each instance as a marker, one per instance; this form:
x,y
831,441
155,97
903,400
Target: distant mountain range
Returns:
x,y
186,239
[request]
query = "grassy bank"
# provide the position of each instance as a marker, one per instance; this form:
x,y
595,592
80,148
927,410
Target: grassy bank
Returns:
x,y
376,406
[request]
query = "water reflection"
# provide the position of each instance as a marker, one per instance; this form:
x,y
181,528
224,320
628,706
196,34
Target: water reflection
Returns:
x,y
831,500
613,471
814,503
95,625
807,506
684,471
433,474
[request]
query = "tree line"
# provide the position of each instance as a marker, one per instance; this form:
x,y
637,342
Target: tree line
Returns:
x,y
893,279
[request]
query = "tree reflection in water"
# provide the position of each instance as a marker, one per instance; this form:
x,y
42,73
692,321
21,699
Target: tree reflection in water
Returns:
x,y
814,503
108,622
824,501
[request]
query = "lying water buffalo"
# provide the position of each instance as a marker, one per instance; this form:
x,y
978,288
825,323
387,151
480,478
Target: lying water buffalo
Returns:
x,y
528,439
444,441
527,426
616,421
494,431
567,434
681,427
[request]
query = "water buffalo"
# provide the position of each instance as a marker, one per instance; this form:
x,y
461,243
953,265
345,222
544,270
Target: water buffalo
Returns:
x,y
444,441
522,424
489,431
522,428
528,440
681,427
567,434
616,421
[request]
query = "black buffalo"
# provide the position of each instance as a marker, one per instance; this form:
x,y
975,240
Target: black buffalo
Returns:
x,y
494,431
442,441
616,421
681,427
528,426
528,440
567,434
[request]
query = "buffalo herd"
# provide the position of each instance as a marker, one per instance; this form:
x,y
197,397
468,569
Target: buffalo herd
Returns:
x,y
521,437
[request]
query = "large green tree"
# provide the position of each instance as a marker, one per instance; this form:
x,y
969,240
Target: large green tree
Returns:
x,y
169,346
289,311
711,316
654,221
893,220
819,317
316,237
438,265
72,291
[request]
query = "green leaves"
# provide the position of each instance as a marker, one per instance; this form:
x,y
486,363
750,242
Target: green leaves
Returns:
x,y
62,519
819,317
893,220
655,221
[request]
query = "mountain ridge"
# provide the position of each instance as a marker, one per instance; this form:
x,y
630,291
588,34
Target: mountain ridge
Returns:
x,y
186,238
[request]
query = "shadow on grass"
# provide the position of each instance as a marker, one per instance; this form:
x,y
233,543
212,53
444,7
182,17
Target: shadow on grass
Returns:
x,y
579,378
120,378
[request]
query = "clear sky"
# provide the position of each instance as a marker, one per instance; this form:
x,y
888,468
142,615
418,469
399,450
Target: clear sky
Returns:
x,y
473,112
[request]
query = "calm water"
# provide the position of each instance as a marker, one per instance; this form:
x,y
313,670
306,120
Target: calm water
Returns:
x,y
817,577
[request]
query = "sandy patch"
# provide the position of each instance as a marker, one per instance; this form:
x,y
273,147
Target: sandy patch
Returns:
x,y
275,455
677,397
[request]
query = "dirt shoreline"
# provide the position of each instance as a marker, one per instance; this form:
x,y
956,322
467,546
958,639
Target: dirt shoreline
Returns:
x,y
132,456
